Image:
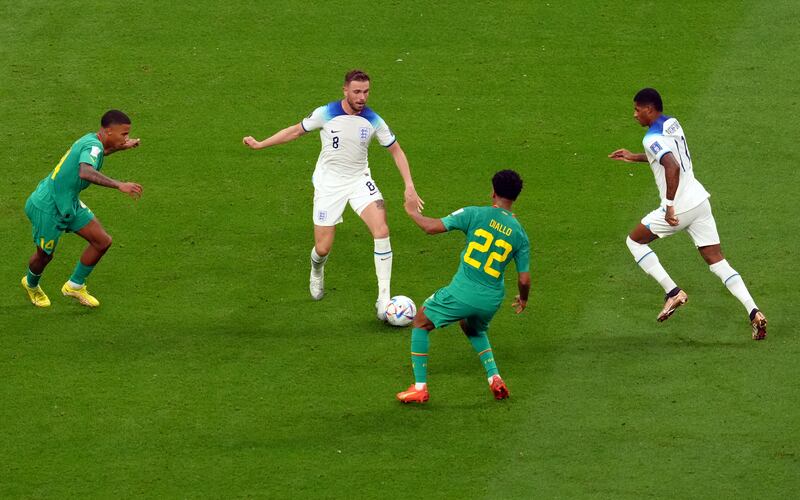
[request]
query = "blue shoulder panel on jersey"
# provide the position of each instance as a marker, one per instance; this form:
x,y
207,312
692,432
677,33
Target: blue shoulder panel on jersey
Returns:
x,y
657,126
334,109
371,116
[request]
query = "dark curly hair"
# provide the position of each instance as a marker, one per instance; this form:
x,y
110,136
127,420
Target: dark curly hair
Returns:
x,y
649,96
507,184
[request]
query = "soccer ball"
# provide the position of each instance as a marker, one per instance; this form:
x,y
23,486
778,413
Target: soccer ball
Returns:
x,y
400,311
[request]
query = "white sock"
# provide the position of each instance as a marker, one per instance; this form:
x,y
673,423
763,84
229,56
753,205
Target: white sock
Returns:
x,y
648,261
74,285
317,261
734,282
419,386
383,267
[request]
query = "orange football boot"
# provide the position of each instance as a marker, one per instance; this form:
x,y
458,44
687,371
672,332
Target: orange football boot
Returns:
x,y
499,388
412,395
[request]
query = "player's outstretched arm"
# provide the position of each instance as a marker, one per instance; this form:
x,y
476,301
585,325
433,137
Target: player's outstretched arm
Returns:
x,y
129,144
427,224
524,286
286,135
89,174
401,161
672,173
627,156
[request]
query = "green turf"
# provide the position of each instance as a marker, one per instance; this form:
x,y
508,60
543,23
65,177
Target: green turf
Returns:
x,y
208,371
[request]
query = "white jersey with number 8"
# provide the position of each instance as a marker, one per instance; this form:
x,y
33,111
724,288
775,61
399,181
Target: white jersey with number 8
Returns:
x,y
345,142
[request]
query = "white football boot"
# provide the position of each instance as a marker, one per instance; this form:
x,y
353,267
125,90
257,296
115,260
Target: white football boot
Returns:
x,y
316,284
380,309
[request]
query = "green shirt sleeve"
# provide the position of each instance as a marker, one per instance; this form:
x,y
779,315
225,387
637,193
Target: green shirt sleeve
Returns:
x,y
91,154
460,219
523,256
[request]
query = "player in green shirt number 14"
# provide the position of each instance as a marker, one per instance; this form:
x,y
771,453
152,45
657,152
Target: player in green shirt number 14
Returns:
x,y
55,207
494,238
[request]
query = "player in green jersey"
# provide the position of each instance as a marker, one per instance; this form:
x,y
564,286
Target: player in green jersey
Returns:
x,y
55,208
494,238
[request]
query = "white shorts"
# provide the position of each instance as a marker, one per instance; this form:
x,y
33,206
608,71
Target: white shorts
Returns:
x,y
329,203
698,222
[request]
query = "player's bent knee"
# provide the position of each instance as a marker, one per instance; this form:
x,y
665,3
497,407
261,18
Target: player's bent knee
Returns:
x,y
381,232
422,321
712,254
638,250
323,249
468,331
633,246
103,244
43,256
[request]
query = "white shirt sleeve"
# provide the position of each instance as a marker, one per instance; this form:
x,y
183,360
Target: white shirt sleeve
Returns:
x,y
315,120
384,134
656,146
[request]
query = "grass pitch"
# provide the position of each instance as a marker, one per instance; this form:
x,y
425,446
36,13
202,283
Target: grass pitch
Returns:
x,y
209,372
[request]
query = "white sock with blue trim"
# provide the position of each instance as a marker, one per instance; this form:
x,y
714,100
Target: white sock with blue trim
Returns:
x,y
317,261
383,267
648,261
734,282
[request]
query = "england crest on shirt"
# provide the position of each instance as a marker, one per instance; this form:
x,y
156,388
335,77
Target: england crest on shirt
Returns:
x,y
363,135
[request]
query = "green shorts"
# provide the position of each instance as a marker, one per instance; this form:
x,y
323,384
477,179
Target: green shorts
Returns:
x,y
48,227
443,309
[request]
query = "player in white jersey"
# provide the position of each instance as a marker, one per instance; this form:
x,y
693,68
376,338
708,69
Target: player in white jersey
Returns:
x,y
342,176
684,205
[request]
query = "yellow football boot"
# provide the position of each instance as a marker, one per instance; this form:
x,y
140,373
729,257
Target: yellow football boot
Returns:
x,y
81,295
36,294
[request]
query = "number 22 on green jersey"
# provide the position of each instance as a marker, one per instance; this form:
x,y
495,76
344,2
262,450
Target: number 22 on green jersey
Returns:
x,y
484,248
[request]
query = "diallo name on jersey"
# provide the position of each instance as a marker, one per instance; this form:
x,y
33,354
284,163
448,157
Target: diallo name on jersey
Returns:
x,y
500,227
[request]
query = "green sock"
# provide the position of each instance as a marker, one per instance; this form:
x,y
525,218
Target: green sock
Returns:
x,y
419,355
80,273
33,279
480,343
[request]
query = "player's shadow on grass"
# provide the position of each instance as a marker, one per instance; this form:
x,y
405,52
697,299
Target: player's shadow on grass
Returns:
x,y
648,343
744,343
65,310
440,405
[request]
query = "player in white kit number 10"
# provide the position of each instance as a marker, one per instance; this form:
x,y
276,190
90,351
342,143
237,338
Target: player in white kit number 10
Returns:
x,y
342,176
684,205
